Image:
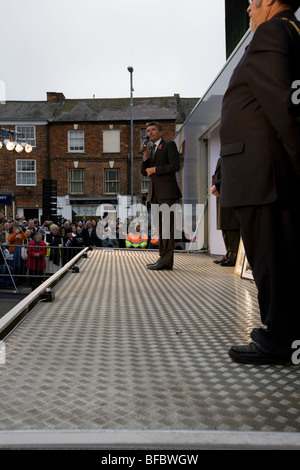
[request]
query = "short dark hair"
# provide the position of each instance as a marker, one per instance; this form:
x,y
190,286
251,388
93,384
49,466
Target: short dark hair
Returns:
x,y
156,124
294,4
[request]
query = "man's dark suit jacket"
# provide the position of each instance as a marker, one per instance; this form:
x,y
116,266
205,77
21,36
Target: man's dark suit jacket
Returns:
x,y
226,216
163,184
260,134
90,239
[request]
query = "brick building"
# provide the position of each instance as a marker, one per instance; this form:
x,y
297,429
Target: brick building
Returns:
x,y
84,145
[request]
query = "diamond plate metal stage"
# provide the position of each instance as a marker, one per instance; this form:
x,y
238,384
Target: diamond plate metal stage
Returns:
x,y
131,358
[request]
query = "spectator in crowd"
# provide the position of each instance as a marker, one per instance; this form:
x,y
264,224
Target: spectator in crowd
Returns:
x,y
71,243
6,227
89,235
121,234
36,259
16,240
2,218
54,240
45,229
31,227
79,235
3,251
137,239
154,242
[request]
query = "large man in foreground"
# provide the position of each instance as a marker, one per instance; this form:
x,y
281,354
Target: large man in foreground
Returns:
x,y
260,173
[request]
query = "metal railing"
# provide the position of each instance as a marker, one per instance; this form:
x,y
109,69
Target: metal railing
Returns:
x,y
19,268
11,319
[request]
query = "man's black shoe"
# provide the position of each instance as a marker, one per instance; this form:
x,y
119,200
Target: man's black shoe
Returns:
x,y
152,264
159,267
252,354
254,333
219,261
228,262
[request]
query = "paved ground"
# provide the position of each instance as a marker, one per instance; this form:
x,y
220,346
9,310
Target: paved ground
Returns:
x,y
9,300
126,350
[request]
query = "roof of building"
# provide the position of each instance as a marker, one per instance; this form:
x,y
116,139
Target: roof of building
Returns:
x,y
59,109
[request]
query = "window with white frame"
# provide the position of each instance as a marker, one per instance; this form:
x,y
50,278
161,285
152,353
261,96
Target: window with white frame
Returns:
x,y
144,183
76,181
28,135
76,141
112,181
25,172
111,141
143,135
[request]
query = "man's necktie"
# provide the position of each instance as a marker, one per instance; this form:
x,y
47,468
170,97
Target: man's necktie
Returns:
x,y
153,151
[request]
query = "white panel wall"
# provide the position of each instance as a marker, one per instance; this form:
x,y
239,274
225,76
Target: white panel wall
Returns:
x,y
216,243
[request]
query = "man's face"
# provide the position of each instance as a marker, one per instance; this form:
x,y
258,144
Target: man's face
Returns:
x,y
258,13
153,133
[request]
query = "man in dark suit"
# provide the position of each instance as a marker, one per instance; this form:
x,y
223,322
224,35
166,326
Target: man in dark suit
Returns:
x,y
161,161
260,173
89,235
227,222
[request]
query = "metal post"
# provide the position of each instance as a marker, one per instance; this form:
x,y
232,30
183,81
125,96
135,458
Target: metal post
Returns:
x,y
130,70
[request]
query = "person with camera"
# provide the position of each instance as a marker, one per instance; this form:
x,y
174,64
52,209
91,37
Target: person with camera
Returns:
x,y
16,239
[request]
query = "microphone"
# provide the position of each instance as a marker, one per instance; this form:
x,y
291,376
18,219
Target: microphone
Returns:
x,y
145,144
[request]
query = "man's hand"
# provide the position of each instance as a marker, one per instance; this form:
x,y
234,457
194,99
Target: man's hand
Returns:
x,y
145,151
151,170
214,191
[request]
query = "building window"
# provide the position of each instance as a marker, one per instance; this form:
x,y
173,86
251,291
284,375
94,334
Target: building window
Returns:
x,y
112,181
143,135
76,181
25,172
76,141
144,183
111,141
28,135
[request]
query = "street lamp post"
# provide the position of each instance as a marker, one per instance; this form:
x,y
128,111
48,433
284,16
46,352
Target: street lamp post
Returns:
x,y
130,70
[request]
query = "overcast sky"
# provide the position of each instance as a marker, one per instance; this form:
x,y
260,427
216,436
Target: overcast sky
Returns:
x,y
83,47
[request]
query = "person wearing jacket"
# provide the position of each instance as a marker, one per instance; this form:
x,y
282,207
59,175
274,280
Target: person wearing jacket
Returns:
x,y
136,239
54,239
260,173
161,162
226,222
36,258
16,239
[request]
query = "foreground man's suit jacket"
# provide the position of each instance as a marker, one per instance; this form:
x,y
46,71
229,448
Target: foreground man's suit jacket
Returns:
x,y
260,134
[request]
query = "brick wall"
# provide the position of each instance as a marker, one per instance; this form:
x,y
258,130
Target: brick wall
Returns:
x,y
54,161
25,196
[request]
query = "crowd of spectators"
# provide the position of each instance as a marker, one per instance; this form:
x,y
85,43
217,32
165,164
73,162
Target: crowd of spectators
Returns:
x,y
28,247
